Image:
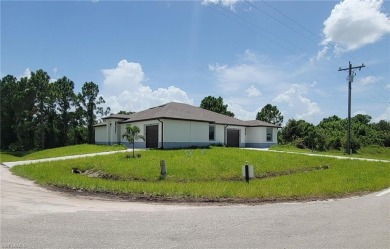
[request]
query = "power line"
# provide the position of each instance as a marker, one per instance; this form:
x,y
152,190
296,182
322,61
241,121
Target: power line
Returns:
x,y
379,79
384,100
254,28
373,101
289,18
306,29
270,33
249,28
332,43
276,19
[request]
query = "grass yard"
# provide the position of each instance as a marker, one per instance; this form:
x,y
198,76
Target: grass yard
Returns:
x,y
213,174
57,152
373,152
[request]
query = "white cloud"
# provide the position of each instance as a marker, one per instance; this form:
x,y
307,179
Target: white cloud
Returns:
x,y
127,75
359,112
123,89
217,68
236,78
26,73
239,111
369,80
252,91
250,56
226,3
353,24
321,55
250,68
384,116
297,102
239,83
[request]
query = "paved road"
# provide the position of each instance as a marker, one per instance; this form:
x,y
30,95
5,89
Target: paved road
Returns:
x,y
33,217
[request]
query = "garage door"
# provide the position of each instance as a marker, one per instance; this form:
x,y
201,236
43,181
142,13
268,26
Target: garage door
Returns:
x,y
152,136
233,138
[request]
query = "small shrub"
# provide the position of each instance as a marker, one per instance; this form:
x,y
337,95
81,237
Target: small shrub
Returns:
x,y
17,146
299,143
130,155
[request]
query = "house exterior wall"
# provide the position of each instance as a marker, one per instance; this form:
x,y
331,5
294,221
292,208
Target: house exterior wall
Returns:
x,y
139,143
101,135
182,134
113,130
219,135
256,137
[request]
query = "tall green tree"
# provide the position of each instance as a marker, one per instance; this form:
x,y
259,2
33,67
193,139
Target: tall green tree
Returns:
x,y
24,122
40,83
383,130
88,102
132,134
270,114
293,130
215,105
334,129
53,123
65,99
8,85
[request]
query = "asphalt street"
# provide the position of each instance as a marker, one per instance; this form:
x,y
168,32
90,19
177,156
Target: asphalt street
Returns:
x,y
34,217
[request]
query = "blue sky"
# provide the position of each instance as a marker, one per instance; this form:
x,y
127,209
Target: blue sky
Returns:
x,y
251,53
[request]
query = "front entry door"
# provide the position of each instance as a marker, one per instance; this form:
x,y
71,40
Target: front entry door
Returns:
x,y
233,138
152,136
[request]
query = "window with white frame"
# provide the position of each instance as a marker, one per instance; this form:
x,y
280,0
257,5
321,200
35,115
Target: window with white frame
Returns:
x,y
212,132
269,135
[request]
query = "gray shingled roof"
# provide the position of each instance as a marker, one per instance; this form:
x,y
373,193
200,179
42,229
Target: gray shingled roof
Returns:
x,y
100,124
255,123
120,116
182,111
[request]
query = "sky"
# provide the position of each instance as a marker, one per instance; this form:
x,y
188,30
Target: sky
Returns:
x,y
251,53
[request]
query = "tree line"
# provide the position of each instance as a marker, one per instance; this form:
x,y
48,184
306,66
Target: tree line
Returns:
x,y
38,114
331,133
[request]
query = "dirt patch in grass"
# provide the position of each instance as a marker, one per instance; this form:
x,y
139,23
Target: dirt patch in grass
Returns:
x,y
292,171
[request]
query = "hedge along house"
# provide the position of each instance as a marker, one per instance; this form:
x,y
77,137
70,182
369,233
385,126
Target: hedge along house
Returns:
x,y
177,125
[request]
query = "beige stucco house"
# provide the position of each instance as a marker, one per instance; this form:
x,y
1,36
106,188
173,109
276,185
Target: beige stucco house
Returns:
x,y
177,125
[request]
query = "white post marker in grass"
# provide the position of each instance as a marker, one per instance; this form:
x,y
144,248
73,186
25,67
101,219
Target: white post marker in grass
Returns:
x,y
163,169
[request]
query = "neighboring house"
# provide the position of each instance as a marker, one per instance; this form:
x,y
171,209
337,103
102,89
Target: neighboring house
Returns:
x,y
177,125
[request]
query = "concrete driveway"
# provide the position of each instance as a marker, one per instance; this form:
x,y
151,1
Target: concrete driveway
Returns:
x,y
33,217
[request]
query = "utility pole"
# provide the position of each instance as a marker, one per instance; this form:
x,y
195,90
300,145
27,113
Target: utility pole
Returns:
x,y
350,80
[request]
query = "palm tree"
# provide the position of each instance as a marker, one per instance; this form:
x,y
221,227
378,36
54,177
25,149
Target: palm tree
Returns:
x,y
132,134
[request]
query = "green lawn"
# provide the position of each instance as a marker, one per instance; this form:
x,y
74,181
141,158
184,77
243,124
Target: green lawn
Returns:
x,y
57,152
214,174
